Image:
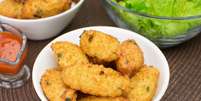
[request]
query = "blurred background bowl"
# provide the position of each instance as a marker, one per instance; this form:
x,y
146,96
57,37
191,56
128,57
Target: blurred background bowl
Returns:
x,y
44,28
163,31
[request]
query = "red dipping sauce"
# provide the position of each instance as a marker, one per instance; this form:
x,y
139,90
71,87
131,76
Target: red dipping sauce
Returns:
x,y
10,46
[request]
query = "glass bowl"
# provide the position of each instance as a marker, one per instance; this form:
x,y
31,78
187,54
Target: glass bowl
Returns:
x,y
14,74
163,31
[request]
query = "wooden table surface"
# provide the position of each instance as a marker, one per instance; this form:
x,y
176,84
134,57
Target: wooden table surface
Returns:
x,y
184,60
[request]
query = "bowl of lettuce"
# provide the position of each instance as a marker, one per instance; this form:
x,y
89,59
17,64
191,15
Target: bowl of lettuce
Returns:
x,y
165,22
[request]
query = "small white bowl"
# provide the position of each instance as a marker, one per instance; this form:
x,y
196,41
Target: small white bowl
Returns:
x,y
152,55
44,28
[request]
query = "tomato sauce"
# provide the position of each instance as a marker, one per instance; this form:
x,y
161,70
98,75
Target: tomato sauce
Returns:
x,y
10,45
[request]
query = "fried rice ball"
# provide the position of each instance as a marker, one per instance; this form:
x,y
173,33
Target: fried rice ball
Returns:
x,y
68,54
11,8
143,84
44,8
130,58
99,46
54,88
95,80
94,98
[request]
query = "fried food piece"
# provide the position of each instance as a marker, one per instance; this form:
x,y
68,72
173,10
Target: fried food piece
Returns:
x,y
94,98
99,46
95,80
11,8
68,54
20,1
143,84
55,89
44,8
130,58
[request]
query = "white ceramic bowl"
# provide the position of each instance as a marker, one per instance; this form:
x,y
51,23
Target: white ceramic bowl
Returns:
x,y
44,28
152,55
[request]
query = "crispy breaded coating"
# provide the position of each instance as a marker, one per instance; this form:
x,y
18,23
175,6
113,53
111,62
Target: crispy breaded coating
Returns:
x,y
95,98
143,84
54,88
68,54
130,58
20,1
95,80
99,46
11,8
44,8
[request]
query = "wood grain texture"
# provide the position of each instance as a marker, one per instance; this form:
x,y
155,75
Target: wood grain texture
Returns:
x,y
184,60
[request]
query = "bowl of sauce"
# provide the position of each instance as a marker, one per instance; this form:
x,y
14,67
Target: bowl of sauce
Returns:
x,y
13,52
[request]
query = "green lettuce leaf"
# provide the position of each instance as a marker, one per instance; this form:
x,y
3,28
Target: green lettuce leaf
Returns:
x,y
160,28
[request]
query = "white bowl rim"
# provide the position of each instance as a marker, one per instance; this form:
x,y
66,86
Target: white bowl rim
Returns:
x,y
46,18
166,82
